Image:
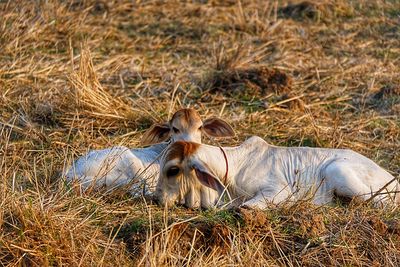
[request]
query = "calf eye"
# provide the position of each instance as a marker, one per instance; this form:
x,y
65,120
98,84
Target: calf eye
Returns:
x,y
173,171
176,130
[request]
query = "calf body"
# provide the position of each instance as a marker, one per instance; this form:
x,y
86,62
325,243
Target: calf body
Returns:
x,y
260,173
117,166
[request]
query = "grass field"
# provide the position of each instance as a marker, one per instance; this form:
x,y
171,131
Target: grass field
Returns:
x,y
80,75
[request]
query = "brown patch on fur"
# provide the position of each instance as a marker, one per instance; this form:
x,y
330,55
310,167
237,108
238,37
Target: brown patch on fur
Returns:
x,y
180,150
186,116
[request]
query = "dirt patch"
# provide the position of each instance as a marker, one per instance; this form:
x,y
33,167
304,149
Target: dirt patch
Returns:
x,y
300,11
44,114
200,235
134,234
257,81
100,7
307,220
378,225
254,218
393,226
309,224
386,100
387,91
183,237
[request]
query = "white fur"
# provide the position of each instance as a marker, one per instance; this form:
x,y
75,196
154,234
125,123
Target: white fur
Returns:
x,y
260,174
117,166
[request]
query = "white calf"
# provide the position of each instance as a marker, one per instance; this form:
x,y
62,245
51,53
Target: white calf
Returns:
x,y
117,166
256,173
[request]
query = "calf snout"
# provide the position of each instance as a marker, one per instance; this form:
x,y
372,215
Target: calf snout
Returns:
x,y
187,137
163,199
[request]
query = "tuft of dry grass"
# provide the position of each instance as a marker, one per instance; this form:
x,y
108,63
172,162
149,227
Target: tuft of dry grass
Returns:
x,y
96,104
81,75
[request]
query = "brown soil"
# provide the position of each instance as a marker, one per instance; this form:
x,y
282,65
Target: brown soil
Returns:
x,y
393,226
257,81
308,220
254,219
183,236
387,91
200,235
378,225
386,100
300,11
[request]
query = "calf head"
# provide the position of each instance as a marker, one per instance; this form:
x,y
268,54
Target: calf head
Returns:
x,y
184,176
187,125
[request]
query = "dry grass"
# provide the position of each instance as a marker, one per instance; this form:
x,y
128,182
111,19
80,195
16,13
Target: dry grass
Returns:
x,y
77,75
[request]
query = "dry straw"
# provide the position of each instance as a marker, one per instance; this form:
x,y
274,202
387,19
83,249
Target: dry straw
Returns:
x,y
80,75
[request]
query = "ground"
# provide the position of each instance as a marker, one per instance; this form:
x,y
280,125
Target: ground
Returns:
x,y
80,75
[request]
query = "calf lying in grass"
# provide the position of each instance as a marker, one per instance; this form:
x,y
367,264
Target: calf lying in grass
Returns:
x,y
256,174
117,166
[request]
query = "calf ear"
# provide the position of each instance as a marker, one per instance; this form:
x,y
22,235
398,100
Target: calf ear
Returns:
x,y
217,128
156,134
209,180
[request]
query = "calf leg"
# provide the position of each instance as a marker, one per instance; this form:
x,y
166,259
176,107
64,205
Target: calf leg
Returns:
x,y
265,197
346,182
257,202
